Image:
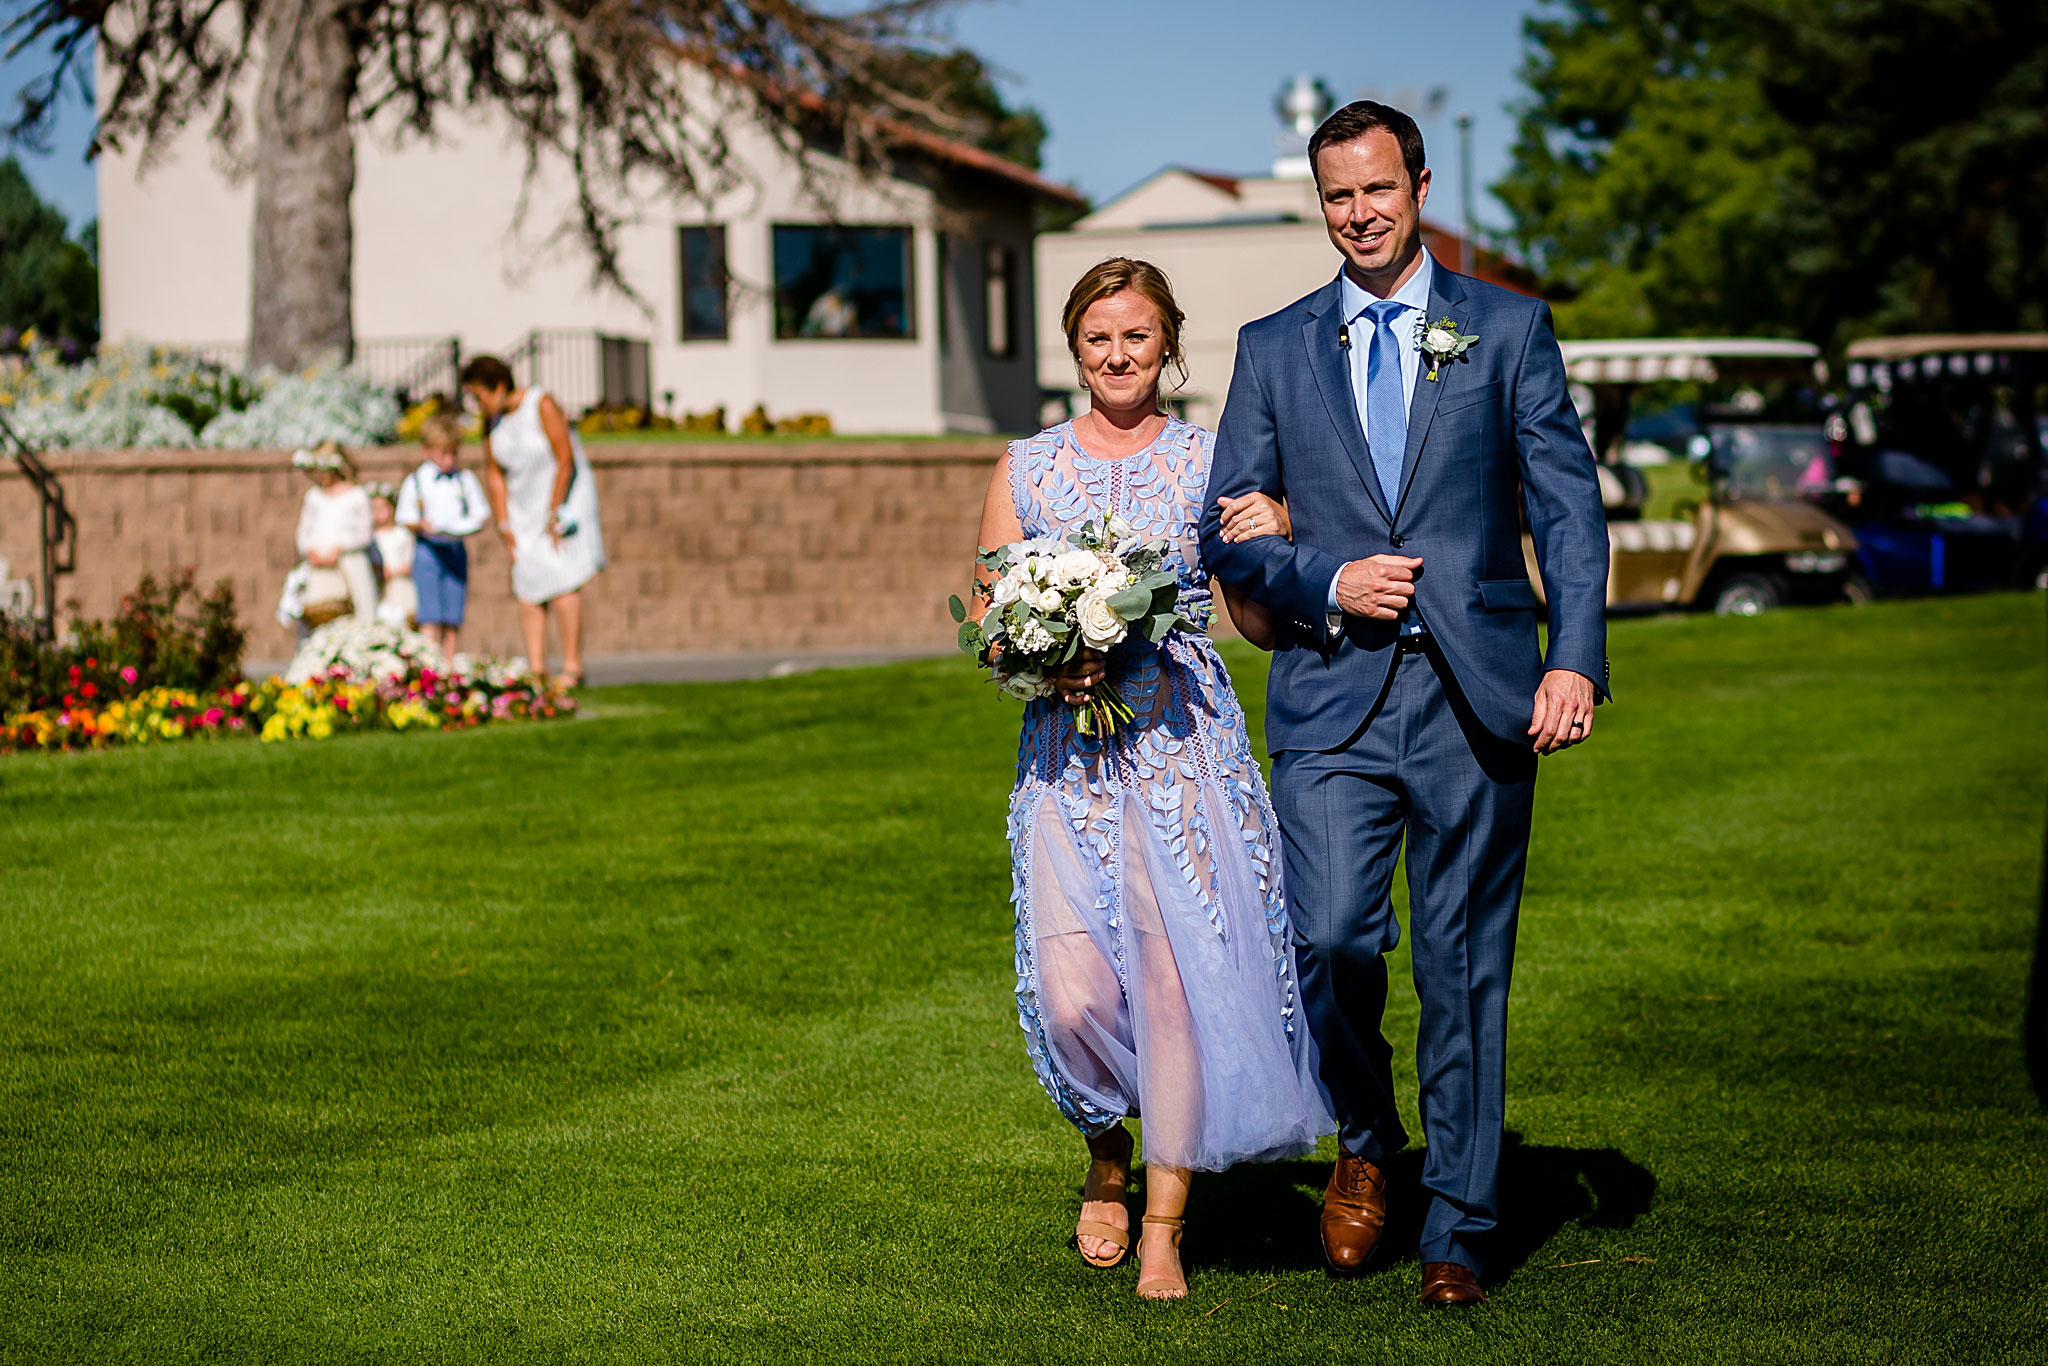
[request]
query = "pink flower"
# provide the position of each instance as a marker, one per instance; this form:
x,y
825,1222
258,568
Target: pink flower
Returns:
x,y
128,674
211,716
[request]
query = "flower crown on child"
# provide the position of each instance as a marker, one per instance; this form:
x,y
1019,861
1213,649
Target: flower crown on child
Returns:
x,y
303,459
379,489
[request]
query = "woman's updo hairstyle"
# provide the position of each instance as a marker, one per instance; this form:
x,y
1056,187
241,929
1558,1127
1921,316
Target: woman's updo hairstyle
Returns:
x,y
1142,278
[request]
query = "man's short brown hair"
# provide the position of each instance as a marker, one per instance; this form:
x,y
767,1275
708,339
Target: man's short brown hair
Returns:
x,y
1360,117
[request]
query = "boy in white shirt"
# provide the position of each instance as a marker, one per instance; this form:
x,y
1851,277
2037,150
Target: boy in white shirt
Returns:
x,y
442,504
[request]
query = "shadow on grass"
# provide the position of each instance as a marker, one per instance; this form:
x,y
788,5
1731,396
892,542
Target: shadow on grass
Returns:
x,y
1262,1218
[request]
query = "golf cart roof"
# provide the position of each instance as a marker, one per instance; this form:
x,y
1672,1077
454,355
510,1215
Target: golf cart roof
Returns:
x,y
1645,360
1945,344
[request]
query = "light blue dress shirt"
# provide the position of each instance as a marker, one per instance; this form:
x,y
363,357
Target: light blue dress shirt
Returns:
x,y
1414,300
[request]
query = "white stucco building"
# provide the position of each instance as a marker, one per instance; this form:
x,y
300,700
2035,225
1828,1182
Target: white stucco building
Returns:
x,y
899,304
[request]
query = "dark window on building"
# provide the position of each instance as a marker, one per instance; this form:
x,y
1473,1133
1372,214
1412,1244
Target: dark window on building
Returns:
x,y
944,245
705,285
999,290
842,281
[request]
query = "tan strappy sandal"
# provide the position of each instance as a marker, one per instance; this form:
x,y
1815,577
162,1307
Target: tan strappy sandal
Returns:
x,y
1115,1193
1108,1233
1161,1287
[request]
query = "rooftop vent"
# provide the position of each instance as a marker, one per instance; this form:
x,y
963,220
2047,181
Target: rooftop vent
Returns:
x,y
1304,103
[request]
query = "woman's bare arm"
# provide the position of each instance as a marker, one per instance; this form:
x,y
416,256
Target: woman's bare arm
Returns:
x,y
999,525
1253,622
494,489
556,424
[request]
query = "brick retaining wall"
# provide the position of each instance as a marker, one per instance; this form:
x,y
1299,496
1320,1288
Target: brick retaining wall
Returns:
x,y
713,547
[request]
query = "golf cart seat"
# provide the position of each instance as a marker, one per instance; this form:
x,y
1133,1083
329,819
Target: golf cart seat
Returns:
x,y
1634,538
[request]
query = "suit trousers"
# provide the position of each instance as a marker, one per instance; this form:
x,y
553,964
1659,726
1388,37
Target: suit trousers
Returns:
x,y
1422,766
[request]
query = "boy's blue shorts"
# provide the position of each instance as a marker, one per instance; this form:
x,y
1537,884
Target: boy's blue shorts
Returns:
x,y
440,573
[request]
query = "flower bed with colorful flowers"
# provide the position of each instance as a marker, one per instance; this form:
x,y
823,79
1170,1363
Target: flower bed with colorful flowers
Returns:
x,y
347,678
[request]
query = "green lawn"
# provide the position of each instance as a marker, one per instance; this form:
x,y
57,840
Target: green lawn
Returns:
x,y
684,1032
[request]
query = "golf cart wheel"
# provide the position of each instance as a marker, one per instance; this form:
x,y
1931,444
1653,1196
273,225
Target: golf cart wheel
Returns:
x,y
1746,595
1857,592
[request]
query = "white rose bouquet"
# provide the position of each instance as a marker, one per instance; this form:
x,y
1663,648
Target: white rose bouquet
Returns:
x,y
1050,599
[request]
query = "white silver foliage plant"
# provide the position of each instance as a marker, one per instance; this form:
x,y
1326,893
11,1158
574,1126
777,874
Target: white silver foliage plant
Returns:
x,y
304,410
142,396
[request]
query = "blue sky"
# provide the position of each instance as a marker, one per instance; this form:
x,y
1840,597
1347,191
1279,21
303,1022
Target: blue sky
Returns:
x,y
1128,87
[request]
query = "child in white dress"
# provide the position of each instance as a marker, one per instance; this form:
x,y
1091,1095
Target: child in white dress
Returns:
x,y
334,578
399,602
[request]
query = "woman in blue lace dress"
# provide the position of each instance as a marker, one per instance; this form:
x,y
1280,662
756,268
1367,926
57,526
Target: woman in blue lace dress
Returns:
x,y
1155,978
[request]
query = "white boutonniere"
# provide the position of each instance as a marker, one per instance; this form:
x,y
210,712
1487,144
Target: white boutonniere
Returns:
x,y
1442,342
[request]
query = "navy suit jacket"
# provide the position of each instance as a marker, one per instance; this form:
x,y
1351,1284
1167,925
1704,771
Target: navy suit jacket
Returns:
x,y
1494,434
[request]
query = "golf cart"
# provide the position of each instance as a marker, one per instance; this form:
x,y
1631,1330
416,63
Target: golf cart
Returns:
x,y
1751,543
1938,462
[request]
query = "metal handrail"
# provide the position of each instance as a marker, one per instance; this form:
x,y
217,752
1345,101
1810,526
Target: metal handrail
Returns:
x,y
58,529
430,364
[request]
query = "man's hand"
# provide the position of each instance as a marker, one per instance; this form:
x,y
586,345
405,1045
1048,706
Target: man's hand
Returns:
x,y
1380,587
1564,711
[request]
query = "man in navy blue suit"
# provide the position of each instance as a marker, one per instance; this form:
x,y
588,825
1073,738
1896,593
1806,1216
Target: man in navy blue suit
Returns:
x,y
1413,420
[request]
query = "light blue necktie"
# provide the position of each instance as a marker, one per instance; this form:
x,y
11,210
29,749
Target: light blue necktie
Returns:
x,y
1386,407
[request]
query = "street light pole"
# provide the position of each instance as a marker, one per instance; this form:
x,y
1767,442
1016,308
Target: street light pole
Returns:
x,y
1465,247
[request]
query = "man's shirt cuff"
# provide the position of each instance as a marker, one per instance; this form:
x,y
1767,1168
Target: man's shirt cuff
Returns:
x,y
1335,614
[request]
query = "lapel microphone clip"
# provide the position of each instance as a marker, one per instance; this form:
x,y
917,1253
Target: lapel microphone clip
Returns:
x,y
1343,337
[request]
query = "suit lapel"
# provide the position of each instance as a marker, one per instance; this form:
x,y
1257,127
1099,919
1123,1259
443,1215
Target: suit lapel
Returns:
x,y
1331,365
1446,299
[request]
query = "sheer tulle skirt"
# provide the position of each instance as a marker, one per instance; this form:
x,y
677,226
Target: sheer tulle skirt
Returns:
x,y
1155,976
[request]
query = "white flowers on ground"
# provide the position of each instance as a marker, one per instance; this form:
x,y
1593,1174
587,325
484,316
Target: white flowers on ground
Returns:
x,y
368,652
1050,599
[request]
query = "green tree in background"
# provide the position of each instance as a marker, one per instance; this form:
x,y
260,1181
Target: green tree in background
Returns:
x,y
47,280
1650,173
1925,124
1819,168
960,83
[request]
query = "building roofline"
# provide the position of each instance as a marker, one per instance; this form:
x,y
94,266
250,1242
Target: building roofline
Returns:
x,y
975,158
942,148
1226,183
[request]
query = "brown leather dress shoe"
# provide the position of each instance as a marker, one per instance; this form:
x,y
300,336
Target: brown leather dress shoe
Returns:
x,y
1447,1285
1354,1212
